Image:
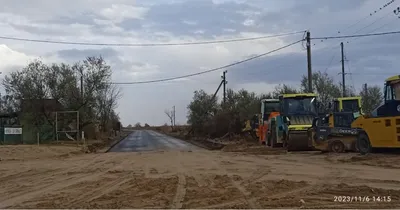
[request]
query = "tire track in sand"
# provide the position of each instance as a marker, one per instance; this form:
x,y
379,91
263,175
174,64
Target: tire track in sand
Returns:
x,y
59,184
92,163
246,195
177,203
99,191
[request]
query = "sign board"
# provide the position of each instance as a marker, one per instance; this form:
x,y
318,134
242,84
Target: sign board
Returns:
x,y
15,131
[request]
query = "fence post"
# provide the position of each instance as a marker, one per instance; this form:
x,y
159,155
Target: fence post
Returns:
x,y
38,138
83,138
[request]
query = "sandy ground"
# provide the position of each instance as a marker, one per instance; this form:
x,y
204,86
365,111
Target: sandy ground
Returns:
x,y
60,177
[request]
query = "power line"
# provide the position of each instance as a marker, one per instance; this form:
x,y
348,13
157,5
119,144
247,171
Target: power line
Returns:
x,y
330,63
358,35
367,16
377,29
387,14
207,71
148,44
371,14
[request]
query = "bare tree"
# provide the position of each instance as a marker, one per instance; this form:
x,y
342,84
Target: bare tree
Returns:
x,y
170,115
325,86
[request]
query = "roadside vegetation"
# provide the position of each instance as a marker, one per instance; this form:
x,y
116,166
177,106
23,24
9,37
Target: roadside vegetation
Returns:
x,y
84,86
208,117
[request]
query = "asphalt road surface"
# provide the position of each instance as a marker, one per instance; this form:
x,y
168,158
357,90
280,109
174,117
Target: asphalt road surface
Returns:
x,y
147,140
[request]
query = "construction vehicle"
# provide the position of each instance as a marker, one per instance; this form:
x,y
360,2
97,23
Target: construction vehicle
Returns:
x,y
290,128
269,109
333,133
251,126
382,128
258,125
348,104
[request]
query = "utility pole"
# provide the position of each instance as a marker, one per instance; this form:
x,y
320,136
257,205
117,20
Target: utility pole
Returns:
x,y
308,39
173,114
343,73
365,89
224,82
82,89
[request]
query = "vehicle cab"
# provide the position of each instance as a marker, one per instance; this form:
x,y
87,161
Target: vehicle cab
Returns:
x,y
391,106
269,106
298,110
348,104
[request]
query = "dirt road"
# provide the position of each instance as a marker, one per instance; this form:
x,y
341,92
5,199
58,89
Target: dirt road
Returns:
x,y
197,179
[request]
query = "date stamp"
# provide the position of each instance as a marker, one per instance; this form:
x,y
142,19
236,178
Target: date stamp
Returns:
x,y
362,199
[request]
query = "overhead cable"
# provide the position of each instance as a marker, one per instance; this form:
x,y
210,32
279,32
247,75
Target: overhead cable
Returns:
x,y
367,16
149,44
207,71
358,35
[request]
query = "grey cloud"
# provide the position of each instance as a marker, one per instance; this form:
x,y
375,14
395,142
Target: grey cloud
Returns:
x,y
368,63
210,18
304,15
131,24
270,69
77,55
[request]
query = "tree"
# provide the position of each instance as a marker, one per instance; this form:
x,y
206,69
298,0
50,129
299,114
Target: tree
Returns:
x,y
138,125
201,110
129,126
283,89
170,115
324,86
372,97
95,100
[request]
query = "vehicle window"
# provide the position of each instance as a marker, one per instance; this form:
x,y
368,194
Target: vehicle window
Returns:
x,y
300,106
271,107
268,108
336,106
350,105
396,91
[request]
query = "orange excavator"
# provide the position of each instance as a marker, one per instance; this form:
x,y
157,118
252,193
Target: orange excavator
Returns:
x,y
269,109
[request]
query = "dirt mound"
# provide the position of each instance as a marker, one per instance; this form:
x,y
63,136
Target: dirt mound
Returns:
x,y
29,152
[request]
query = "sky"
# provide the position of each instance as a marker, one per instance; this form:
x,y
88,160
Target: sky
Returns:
x,y
368,59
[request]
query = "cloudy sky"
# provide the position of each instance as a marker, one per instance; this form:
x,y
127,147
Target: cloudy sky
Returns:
x,y
370,59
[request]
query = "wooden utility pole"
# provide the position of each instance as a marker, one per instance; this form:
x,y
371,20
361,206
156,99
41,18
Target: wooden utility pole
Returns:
x,y
365,89
224,82
308,39
343,73
82,88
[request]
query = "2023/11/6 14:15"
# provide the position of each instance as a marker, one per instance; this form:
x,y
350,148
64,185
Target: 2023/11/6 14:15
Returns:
x,y
349,199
